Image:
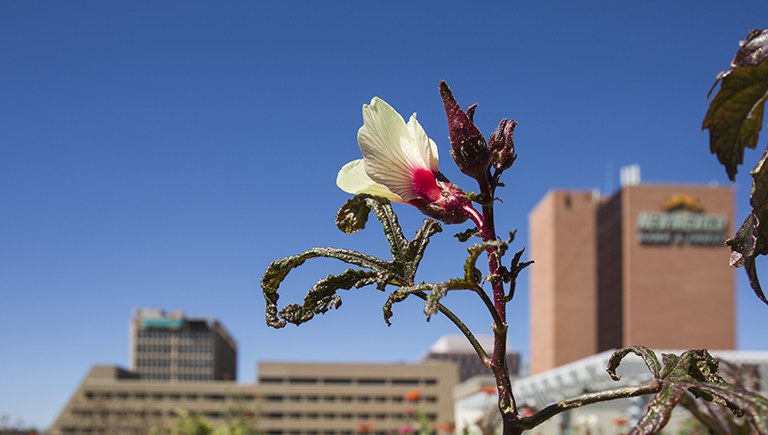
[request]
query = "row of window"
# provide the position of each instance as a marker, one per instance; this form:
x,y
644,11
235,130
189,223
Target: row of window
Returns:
x,y
345,398
141,395
153,348
206,363
153,362
165,363
91,395
160,333
399,416
149,376
204,348
103,413
348,381
193,374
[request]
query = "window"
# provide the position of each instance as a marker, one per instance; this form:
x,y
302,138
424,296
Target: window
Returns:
x,y
302,380
405,381
371,381
337,381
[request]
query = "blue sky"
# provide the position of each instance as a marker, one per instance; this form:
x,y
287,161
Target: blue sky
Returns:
x,y
161,154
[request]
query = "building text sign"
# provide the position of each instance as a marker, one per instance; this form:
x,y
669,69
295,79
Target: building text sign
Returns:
x,y
681,227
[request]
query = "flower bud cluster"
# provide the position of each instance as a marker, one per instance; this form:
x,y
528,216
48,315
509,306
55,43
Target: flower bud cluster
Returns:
x,y
502,145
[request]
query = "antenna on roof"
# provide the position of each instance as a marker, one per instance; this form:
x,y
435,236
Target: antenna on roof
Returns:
x,y
630,175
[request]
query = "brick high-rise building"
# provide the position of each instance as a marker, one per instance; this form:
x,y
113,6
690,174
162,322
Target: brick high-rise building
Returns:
x,y
645,266
172,347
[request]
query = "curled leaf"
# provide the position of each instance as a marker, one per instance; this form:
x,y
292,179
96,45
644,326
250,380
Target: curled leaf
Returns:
x,y
695,372
746,245
353,215
467,234
753,50
322,297
643,352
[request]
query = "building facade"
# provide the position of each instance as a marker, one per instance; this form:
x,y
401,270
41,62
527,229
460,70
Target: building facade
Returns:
x,y
645,266
172,347
289,398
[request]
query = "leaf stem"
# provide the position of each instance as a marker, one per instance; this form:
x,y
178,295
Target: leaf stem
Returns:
x,y
462,327
550,411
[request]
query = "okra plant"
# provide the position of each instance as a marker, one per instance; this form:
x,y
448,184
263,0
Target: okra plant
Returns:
x,y
400,164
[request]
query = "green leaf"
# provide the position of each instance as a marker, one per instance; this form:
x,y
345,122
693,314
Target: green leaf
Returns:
x,y
322,297
659,410
401,271
471,274
392,229
735,116
353,215
432,293
432,304
279,269
695,372
394,297
415,250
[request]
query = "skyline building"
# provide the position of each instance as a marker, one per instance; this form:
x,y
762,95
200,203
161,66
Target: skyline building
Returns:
x,y
456,349
644,266
287,398
173,347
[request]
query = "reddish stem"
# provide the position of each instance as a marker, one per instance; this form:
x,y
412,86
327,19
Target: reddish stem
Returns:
x,y
498,364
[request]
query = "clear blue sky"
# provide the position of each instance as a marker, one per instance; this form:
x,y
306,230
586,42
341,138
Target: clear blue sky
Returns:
x,y
161,154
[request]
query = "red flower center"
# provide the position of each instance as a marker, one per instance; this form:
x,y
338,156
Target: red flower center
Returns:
x,y
425,185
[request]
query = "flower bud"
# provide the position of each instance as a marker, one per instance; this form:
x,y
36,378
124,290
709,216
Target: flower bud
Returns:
x,y
468,147
502,145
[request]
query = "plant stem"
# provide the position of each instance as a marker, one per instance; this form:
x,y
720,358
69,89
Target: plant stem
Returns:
x,y
552,410
462,327
487,228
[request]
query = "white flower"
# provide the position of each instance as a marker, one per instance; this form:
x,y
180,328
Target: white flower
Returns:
x,y
399,160
400,163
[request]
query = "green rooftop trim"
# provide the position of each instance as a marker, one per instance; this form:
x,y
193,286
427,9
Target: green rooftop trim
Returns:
x,y
163,323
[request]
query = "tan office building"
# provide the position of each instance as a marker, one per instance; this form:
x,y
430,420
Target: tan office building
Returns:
x,y
645,266
174,347
289,398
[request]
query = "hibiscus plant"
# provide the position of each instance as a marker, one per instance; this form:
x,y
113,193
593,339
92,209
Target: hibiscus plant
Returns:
x,y
400,164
